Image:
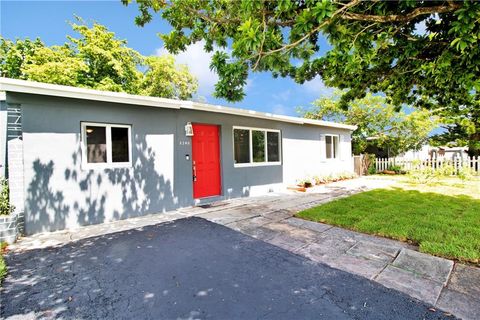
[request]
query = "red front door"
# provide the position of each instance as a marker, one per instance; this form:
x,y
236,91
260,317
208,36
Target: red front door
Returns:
x,y
206,161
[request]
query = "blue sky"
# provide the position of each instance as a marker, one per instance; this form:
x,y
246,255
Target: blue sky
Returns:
x,y
49,21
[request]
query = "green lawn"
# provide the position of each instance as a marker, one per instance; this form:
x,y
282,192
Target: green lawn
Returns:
x,y
3,268
3,265
442,225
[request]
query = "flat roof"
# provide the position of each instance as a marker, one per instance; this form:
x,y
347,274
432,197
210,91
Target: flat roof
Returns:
x,y
47,89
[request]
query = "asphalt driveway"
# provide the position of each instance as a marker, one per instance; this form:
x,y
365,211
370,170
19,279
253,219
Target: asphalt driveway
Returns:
x,y
190,269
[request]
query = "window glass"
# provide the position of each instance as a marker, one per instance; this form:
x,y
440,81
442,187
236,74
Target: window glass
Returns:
x,y
328,144
258,144
335,146
241,140
96,144
273,147
120,144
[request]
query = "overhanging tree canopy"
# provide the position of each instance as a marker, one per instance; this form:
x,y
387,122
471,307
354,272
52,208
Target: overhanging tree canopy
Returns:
x,y
422,53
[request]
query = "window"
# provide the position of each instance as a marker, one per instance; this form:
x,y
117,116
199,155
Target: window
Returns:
x,y
331,146
273,146
241,142
106,145
252,146
258,143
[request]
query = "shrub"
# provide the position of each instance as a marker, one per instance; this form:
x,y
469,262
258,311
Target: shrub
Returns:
x,y
465,173
445,170
423,175
306,182
371,169
5,206
322,179
396,168
368,163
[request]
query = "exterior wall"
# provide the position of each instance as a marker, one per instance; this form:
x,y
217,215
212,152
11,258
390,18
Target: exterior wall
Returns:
x,y
60,194
304,152
12,153
16,180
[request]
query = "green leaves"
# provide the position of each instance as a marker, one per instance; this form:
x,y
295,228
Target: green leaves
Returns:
x,y
323,9
375,118
163,78
233,76
422,53
95,58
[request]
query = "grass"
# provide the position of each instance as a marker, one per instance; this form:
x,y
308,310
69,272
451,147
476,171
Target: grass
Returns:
x,y
3,265
442,185
440,224
3,269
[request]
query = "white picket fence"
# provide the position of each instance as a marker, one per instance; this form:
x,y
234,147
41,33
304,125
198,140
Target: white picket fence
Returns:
x,y
411,164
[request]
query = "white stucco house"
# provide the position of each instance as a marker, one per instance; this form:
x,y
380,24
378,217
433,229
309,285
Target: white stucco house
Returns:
x,y
77,156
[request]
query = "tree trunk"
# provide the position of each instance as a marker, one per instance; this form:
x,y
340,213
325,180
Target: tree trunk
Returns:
x,y
474,144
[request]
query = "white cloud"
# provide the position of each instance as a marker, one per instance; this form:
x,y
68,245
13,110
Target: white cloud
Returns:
x,y
282,96
317,87
279,109
249,84
198,62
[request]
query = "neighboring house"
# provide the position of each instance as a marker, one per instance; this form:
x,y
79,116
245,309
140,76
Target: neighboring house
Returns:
x,y
449,153
427,152
79,156
422,153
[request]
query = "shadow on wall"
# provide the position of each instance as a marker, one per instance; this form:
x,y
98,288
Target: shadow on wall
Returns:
x,y
91,198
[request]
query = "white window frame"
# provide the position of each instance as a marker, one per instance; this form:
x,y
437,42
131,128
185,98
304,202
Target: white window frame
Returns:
x,y
257,164
108,135
336,155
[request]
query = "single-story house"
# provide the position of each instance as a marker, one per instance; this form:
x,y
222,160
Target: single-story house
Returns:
x,y
77,156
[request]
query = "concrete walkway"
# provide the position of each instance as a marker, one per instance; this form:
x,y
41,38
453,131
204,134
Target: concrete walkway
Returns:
x,y
450,286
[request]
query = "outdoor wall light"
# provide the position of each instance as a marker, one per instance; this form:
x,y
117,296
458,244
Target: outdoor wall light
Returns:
x,y
189,129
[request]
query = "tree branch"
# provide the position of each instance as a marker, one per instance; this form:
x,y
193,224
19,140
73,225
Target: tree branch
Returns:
x,y
452,6
294,44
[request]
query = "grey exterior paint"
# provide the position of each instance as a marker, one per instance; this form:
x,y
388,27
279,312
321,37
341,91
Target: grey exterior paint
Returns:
x,y
60,194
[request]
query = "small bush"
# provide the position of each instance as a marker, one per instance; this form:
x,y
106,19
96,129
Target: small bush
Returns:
x,y
5,206
465,173
446,170
422,175
322,179
395,168
371,169
306,182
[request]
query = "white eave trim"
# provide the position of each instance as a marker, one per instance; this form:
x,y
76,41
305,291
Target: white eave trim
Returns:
x,y
31,87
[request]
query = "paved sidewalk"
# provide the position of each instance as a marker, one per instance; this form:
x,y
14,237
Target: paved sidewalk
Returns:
x,y
450,286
